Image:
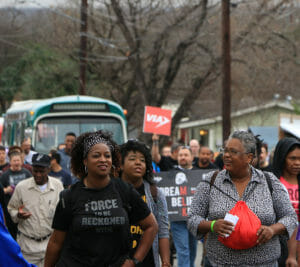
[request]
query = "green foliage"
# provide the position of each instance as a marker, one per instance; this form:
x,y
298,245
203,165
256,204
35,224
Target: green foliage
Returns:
x,y
297,108
50,74
39,73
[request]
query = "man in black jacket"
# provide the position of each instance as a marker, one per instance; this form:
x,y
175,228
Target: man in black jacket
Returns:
x,y
164,163
204,159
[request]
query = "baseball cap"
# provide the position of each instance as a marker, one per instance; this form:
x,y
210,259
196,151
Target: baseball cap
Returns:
x,y
41,160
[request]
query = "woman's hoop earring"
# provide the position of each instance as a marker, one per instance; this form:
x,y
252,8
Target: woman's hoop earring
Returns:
x,y
249,166
85,169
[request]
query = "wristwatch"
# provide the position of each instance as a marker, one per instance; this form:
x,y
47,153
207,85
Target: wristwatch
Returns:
x,y
136,261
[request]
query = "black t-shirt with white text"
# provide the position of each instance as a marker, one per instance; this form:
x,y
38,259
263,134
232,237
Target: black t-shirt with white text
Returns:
x,y
97,224
14,177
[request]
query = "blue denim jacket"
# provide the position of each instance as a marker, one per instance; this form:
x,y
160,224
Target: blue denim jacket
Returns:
x,y
160,211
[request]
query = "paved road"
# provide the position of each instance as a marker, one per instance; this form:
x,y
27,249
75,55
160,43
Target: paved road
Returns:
x,y
198,258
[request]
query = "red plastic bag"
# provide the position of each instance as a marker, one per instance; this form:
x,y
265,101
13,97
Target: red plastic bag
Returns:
x,y
244,235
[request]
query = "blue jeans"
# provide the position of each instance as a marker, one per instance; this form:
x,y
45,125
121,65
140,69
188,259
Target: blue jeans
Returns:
x,y
185,244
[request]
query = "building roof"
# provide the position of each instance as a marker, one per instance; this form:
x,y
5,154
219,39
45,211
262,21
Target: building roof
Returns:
x,y
272,104
291,125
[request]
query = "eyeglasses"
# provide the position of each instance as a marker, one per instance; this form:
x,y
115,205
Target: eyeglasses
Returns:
x,y
232,152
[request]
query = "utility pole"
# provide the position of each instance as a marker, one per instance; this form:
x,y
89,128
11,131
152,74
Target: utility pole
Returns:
x,y
83,47
226,69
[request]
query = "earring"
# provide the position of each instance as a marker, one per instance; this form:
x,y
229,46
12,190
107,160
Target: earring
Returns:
x,y
85,169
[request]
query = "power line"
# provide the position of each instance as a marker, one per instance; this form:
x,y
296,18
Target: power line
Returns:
x,y
106,59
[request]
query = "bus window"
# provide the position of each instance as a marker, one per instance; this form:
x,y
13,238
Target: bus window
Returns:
x,y
1,127
51,131
10,134
4,135
45,138
18,133
22,136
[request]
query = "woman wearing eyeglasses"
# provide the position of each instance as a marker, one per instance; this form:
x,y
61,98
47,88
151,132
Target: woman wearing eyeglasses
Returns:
x,y
240,183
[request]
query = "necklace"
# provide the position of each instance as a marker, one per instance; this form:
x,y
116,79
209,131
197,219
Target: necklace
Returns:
x,y
101,184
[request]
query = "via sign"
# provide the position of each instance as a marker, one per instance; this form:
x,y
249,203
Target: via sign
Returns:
x,y
157,120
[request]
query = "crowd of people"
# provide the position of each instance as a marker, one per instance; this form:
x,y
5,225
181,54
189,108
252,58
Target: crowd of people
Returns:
x,y
91,202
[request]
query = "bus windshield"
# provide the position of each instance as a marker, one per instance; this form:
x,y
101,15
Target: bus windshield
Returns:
x,y
51,131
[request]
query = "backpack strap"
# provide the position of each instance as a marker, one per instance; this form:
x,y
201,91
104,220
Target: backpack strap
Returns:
x,y
63,195
213,179
269,182
270,186
153,190
66,196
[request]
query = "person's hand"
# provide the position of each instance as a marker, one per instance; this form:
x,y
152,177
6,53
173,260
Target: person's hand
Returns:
x,y
265,233
128,263
23,214
155,137
223,228
291,262
8,190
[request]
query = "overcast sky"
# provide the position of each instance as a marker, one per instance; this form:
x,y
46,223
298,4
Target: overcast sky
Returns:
x,y
30,3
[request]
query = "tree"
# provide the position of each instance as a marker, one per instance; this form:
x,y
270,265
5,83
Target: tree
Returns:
x,y
11,36
39,73
168,52
158,40
165,52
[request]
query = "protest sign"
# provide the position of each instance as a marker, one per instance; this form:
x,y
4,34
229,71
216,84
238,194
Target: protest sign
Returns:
x,y
179,188
157,120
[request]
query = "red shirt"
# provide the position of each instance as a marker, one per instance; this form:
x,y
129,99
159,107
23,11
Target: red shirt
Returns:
x,y
293,190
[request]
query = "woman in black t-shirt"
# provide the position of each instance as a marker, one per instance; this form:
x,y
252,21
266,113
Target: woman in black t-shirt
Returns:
x,y
91,222
136,169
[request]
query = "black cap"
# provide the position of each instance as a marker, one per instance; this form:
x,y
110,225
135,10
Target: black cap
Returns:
x,y
41,160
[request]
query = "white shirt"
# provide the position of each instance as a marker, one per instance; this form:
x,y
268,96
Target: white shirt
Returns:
x,y
41,205
28,157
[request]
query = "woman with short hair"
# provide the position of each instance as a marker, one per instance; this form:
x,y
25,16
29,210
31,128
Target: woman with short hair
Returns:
x,y
241,182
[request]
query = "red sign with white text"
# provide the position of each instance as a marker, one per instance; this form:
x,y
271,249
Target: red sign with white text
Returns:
x,y
157,120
